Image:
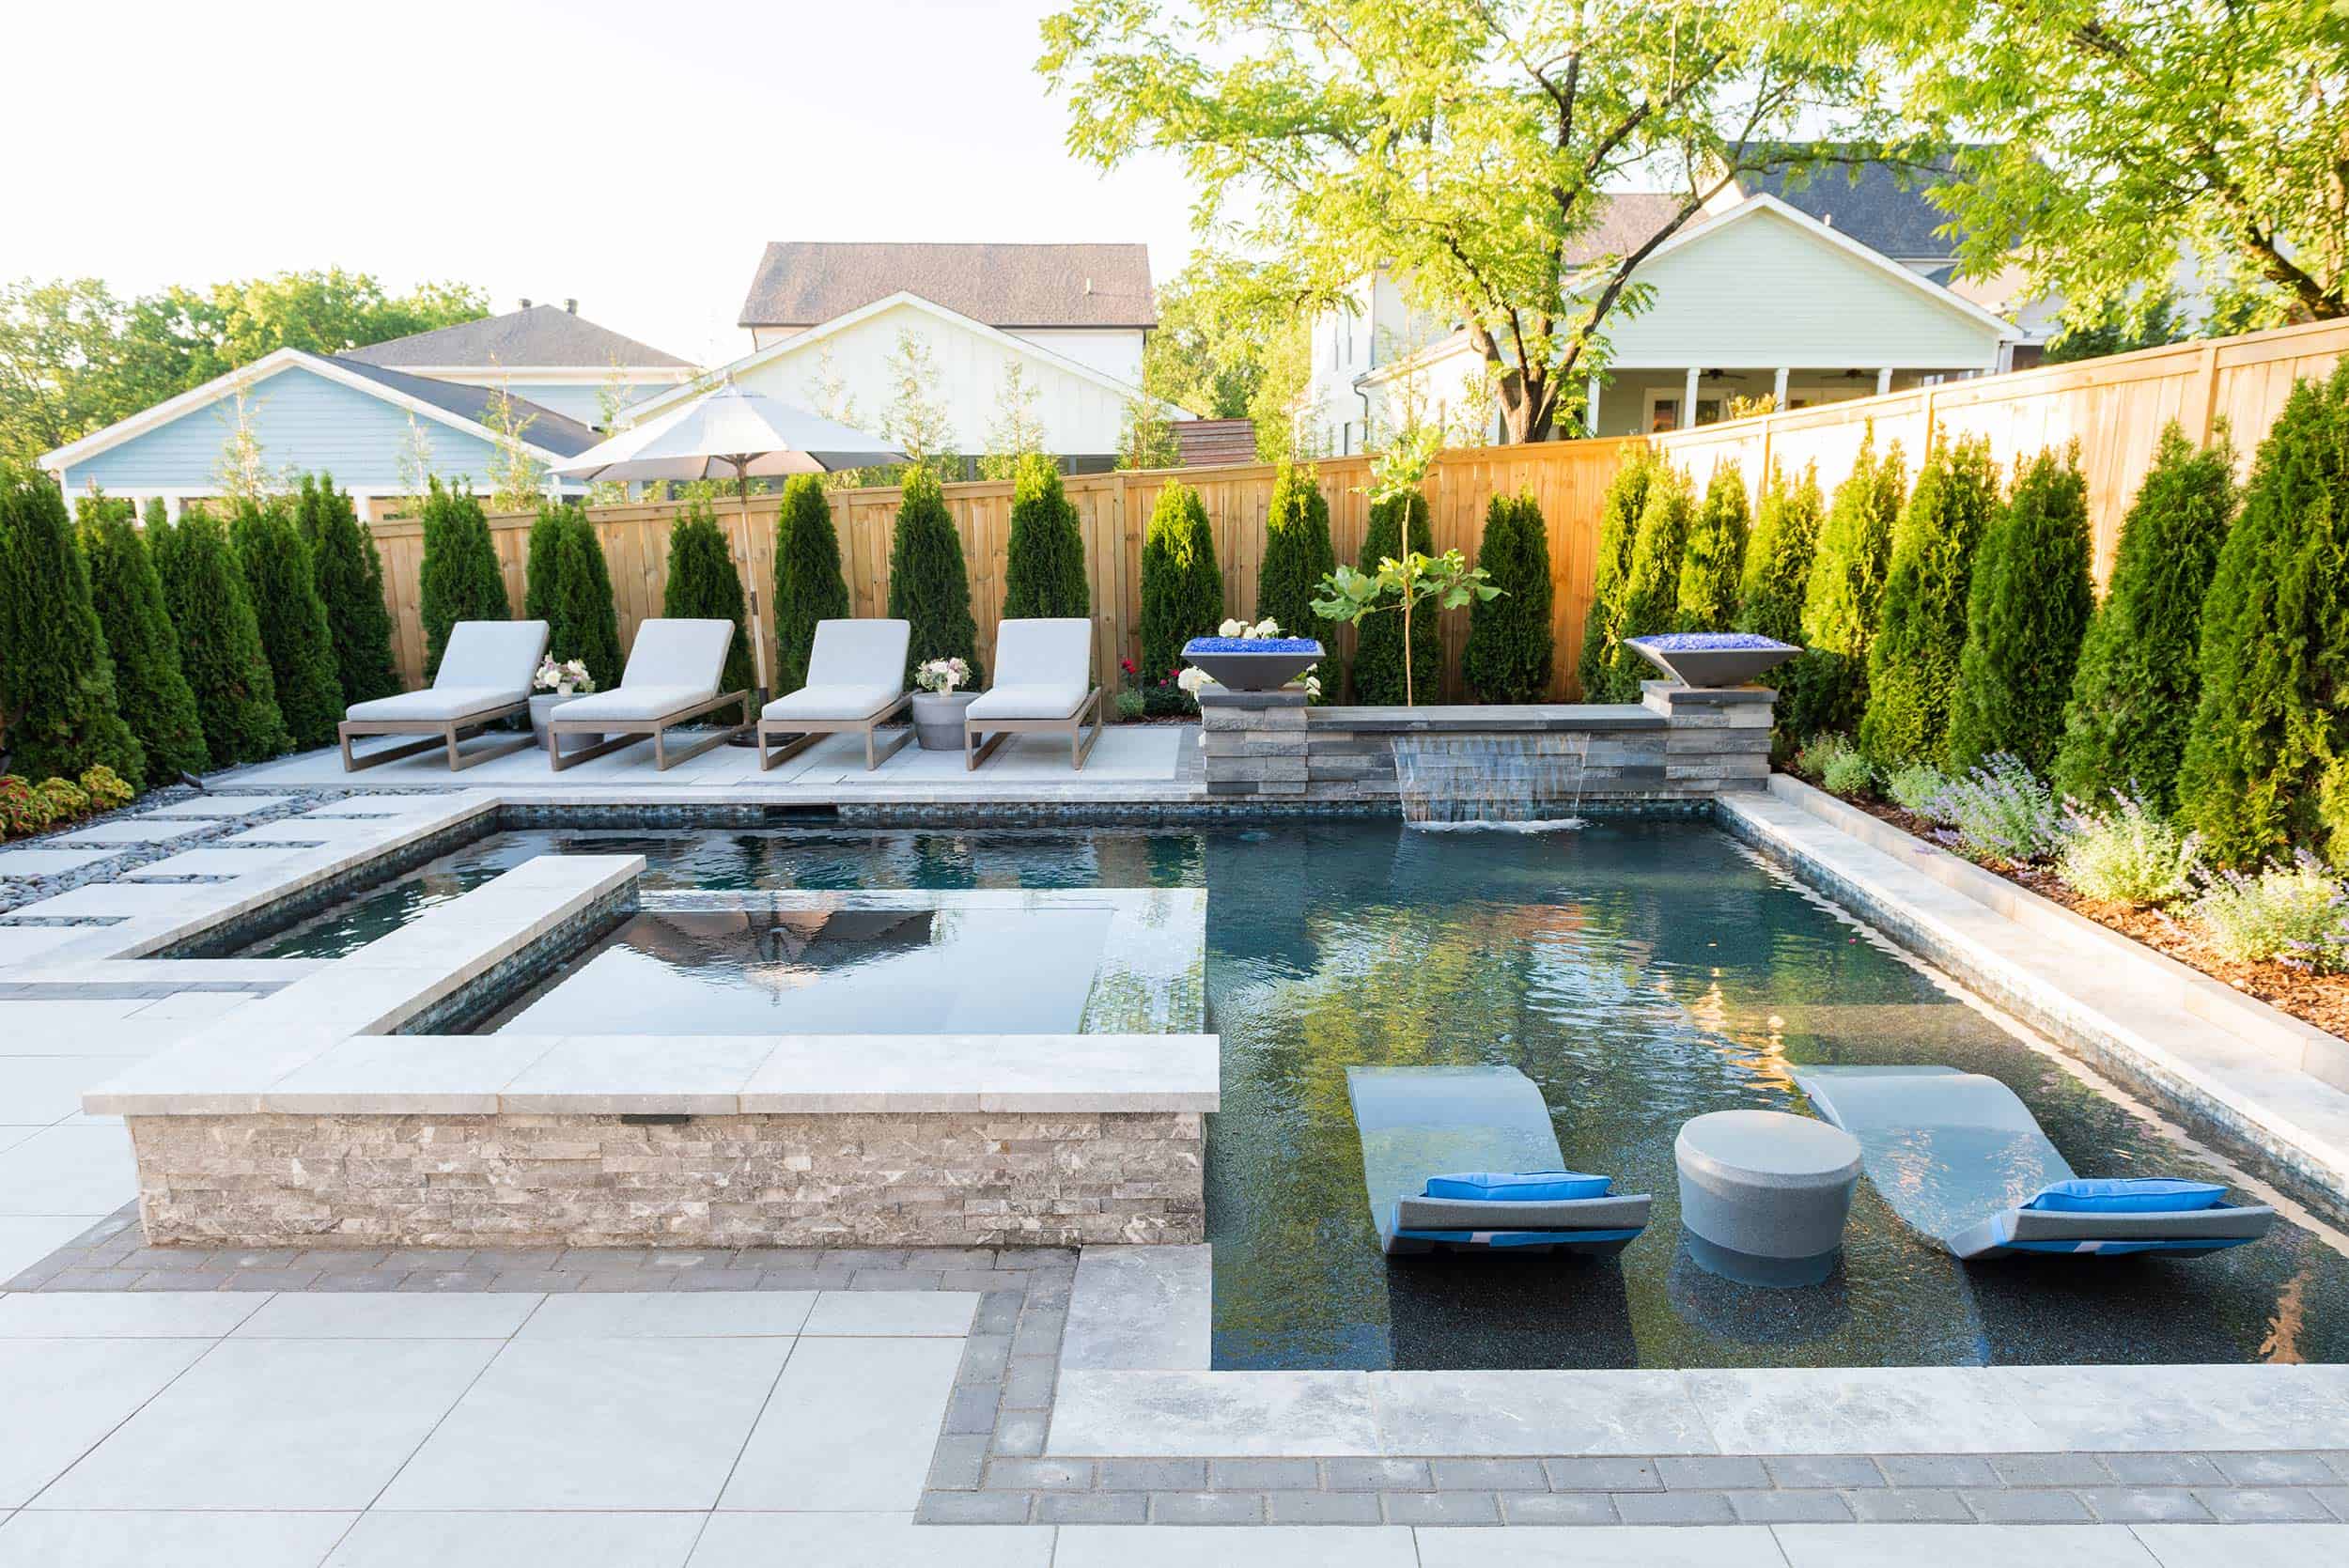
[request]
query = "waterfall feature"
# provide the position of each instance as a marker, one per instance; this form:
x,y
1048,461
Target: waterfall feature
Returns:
x,y
1526,784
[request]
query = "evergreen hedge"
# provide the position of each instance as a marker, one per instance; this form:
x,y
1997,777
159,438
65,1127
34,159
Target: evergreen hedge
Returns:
x,y
350,577
1649,600
1778,557
460,578
1715,557
1843,599
2026,612
2140,677
2266,763
1912,663
292,618
703,586
56,678
1297,553
1182,586
150,689
929,583
220,642
809,587
1044,570
1396,524
542,568
1618,526
1509,649
586,621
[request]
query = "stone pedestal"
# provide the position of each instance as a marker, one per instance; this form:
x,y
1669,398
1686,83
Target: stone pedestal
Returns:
x,y
1255,741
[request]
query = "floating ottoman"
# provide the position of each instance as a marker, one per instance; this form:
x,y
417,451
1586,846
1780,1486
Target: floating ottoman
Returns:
x,y
1764,1195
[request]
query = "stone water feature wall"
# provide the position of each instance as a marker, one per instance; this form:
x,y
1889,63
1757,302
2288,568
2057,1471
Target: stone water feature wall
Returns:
x,y
1677,743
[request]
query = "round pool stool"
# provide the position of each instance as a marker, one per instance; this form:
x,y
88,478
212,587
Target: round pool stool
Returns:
x,y
1764,1195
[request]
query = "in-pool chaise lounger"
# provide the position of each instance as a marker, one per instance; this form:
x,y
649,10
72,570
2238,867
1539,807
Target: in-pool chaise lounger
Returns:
x,y
1464,1158
484,677
1962,1162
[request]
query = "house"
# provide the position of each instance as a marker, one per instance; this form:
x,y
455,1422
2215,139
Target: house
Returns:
x,y
1064,323
378,417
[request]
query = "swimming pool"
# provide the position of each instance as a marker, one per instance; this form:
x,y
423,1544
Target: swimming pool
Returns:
x,y
1640,972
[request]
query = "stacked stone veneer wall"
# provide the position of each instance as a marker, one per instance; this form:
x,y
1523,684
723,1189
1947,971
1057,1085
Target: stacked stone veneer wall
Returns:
x,y
1676,744
911,1179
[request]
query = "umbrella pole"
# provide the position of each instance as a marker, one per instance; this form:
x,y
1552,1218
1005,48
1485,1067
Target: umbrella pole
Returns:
x,y
758,635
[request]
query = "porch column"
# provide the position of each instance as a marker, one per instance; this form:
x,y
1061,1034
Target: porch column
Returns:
x,y
1689,400
1590,406
1777,391
1884,381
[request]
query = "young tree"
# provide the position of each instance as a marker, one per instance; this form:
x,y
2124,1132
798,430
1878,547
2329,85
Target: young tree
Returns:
x,y
220,642
1650,595
1841,599
56,678
1044,571
1510,644
241,471
150,689
808,585
1715,558
703,586
1399,527
460,578
1146,438
518,480
917,418
1444,583
1618,515
2139,678
1912,663
1182,584
292,618
2266,763
1298,553
349,576
587,620
2026,612
929,585
1016,431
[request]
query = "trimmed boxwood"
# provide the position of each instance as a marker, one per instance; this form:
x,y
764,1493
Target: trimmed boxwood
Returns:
x,y
287,607
929,585
1844,598
586,622
1397,523
1618,515
460,578
1044,568
1297,553
151,689
350,577
2025,616
56,678
1715,557
1650,595
1912,663
220,642
1182,586
703,586
1510,642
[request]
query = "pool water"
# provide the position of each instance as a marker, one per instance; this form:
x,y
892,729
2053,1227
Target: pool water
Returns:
x,y
1640,972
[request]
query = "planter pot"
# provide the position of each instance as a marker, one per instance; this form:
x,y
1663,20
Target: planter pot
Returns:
x,y
1712,659
1258,664
938,719
542,706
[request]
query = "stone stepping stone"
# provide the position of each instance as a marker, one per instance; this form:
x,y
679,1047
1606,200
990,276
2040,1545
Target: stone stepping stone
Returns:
x,y
223,805
143,829
20,864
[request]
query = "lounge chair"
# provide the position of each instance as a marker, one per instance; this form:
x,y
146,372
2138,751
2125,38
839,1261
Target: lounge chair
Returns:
x,y
1964,1164
672,676
1465,1159
1043,684
485,676
856,681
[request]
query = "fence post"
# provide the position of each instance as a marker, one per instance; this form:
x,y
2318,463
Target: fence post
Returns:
x,y
2202,395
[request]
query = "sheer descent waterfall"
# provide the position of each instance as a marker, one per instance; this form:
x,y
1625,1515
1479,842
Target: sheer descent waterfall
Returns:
x,y
1517,782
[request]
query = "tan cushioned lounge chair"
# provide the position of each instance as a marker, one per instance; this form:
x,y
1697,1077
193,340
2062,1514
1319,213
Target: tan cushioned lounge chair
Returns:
x,y
856,681
1043,685
484,676
672,676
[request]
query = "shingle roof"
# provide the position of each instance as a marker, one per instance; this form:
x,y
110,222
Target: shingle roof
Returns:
x,y
541,335
807,283
1883,206
557,433
1625,223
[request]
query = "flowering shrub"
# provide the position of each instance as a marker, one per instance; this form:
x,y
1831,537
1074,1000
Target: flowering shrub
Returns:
x,y
2002,813
2127,855
1918,786
106,789
564,678
22,808
941,676
2296,915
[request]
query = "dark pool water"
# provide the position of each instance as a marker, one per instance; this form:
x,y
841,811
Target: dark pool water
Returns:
x,y
1640,972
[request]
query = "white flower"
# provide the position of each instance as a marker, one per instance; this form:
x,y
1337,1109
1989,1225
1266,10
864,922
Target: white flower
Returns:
x,y
1263,629
1192,678
942,674
1233,629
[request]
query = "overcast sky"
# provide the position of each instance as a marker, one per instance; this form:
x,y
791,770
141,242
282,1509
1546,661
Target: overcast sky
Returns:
x,y
633,156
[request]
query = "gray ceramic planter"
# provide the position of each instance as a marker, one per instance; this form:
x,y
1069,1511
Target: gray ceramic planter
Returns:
x,y
1266,666
938,719
1712,659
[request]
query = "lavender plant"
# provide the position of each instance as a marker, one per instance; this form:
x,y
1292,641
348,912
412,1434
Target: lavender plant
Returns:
x,y
2127,854
1918,786
2000,814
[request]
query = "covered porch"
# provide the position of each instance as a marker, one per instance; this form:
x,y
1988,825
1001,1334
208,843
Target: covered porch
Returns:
x,y
1647,400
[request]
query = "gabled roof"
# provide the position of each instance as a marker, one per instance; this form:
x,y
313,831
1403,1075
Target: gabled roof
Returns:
x,y
1883,206
1627,220
558,433
806,283
536,338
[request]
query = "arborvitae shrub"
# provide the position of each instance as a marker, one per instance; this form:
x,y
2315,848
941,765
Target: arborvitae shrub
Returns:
x,y
460,578
1618,526
542,571
56,679
220,642
1650,598
586,622
1779,554
2026,612
1044,569
808,585
350,577
1182,586
1912,664
2266,763
703,586
2140,677
1844,598
151,689
1509,646
292,619
1715,558
1378,638
1297,553
929,587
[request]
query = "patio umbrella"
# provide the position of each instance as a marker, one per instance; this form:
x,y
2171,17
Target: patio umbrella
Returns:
x,y
728,431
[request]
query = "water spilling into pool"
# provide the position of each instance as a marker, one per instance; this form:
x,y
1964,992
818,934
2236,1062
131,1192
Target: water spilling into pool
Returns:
x,y
1527,784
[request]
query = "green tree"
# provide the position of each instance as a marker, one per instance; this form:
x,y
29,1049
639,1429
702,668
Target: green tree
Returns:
x,y
917,418
220,642
2145,320
460,578
1510,644
542,583
1145,437
349,576
1298,553
150,689
929,585
1618,515
56,678
2026,612
1651,582
586,621
703,585
2266,763
292,618
1233,343
809,587
518,480
1044,571
1843,599
1017,433
1715,557
1399,527
1182,586
2140,677
1778,557
1443,582
1912,663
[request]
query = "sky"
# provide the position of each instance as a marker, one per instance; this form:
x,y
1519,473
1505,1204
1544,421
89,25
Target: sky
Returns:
x,y
636,157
